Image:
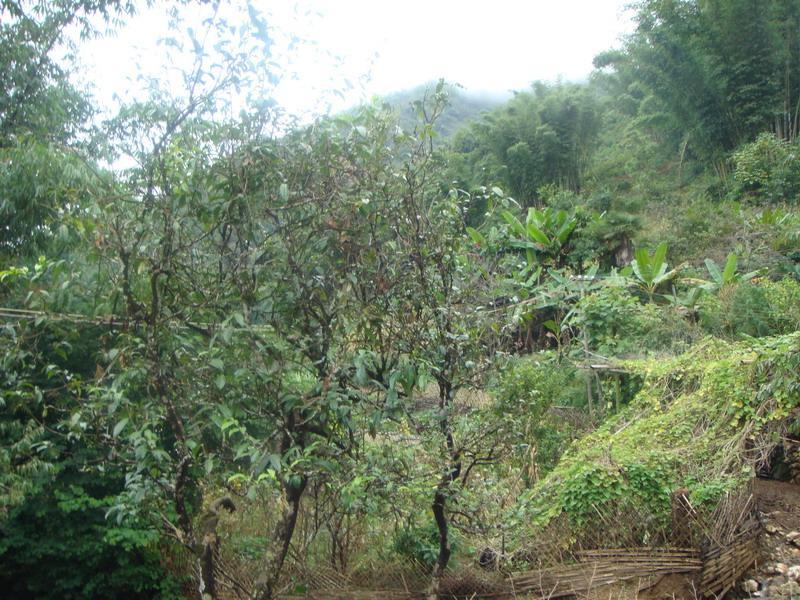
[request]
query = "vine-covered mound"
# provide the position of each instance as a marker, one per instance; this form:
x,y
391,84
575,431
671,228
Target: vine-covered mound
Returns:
x,y
700,424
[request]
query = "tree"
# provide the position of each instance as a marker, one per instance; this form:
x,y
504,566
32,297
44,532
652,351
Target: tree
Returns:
x,y
715,73
444,296
43,117
541,137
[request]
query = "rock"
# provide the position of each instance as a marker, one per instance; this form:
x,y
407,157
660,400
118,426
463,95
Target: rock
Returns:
x,y
750,586
793,535
794,572
788,591
776,581
770,528
777,569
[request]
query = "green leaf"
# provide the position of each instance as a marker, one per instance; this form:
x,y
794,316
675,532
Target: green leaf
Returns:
x,y
660,257
537,235
119,426
516,226
476,236
219,381
713,270
729,274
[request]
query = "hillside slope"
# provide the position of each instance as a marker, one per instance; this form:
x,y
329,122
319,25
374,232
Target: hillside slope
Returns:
x,y
701,424
463,106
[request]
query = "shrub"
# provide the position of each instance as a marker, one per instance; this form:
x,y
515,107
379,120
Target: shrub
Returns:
x,y
610,317
737,310
420,544
688,427
526,390
767,170
784,304
58,544
618,324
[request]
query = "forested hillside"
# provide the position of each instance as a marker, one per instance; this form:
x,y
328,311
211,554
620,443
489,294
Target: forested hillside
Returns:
x,y
245,357
463,106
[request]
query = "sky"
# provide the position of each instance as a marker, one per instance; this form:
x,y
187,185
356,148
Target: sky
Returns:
x,y
362,48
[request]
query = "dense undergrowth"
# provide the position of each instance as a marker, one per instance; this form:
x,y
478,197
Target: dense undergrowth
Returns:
x,y
699,423
268,349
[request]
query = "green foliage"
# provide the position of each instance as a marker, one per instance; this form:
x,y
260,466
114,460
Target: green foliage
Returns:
x,y
64,528
43,117
526,390
739,310
419,544
650,270
710,75
695,227
726,276
767,170
783,298
545,232
751,309
299,319
43,186
684,429
43,368
541,137
618,324
463,106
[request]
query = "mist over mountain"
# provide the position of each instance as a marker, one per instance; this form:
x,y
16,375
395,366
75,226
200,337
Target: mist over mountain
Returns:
x,y
464,106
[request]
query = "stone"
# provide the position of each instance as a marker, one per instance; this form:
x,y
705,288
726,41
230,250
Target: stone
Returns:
x,y
770,528
794,572
776,581
750,586
788,591
793,535
777,569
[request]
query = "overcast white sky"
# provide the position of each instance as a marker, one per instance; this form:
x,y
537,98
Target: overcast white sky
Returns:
x,y
382,46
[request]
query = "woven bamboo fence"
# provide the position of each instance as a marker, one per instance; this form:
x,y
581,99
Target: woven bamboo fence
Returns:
x,y
723,567
605,567
620,554
639,567
715,573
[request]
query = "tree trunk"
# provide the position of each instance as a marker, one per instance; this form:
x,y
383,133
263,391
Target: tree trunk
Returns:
x,y
208,550
208,584
439,507
266,585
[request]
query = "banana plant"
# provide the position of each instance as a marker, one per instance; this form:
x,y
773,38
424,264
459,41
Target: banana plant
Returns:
x,y
545,231
726,276
649,271
686,302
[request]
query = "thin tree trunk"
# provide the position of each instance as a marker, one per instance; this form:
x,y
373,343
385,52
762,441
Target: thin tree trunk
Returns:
x,y
208,550
266,585
585,337
439,507
208,584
